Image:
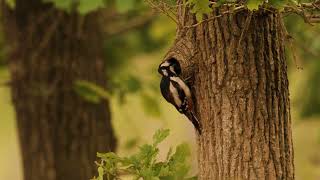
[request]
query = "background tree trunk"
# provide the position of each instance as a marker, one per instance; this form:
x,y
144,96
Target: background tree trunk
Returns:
x,y
241,93
59,132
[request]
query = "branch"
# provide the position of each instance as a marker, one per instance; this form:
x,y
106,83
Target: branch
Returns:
x,y
134,23
312,5
236,9
310,12
165,9
47,36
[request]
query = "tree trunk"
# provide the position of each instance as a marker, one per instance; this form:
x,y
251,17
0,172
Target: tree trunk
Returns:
x,y
59,132
241,93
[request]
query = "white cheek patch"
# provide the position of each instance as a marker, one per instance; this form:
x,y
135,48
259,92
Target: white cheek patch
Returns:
x,y
164,72
183,85
165,64
175,95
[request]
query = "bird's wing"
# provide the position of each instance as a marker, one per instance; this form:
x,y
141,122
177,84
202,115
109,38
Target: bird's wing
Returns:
x,y
183,91
167,92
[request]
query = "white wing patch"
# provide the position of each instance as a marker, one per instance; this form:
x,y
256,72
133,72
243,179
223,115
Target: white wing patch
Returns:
x,y
175,95
172,69
182,84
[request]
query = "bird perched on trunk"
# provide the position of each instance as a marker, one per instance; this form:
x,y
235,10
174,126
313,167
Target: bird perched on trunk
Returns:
x,y
176,91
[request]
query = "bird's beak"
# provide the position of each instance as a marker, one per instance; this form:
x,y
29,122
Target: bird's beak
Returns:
x,y
159,70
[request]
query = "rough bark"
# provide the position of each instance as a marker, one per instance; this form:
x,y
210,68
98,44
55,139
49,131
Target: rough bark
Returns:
x,y
241,93
59,132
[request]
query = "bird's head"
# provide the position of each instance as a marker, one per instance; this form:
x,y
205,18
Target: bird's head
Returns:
x,y
164,70
170,67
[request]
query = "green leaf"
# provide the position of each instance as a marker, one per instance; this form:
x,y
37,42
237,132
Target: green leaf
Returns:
x,y
157,168
200,7
134,160
62,4
11,3
294,2
220,2
146,173
109,155
169,154
82,6
253,4
90,91
147,154
130,161
144,164
177,161
164,171
87,6
101,173
160,135
131,143
279,4
125,5
182,151
88,94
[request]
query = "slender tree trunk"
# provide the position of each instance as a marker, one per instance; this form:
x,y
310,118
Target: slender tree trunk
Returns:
x,y
241,93
59,132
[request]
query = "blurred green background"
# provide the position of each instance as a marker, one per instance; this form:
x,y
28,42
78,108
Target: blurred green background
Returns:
x,y
138,108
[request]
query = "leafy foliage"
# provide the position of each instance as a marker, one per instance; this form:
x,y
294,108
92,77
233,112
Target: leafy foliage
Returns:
x,y
144,163
82,6
125,5
306,48
137,41
87,6
253,4
90,91
65,5
311,100
11,3
124,78
199,7
95,94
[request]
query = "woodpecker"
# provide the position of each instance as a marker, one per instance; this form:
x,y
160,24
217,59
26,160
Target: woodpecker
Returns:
x,y
176,91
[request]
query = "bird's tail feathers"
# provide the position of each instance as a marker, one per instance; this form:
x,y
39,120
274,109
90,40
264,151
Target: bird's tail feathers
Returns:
x,y
195,122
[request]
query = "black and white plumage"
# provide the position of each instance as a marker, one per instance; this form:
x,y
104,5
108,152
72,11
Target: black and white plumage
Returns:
x,y
172,65
176,91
